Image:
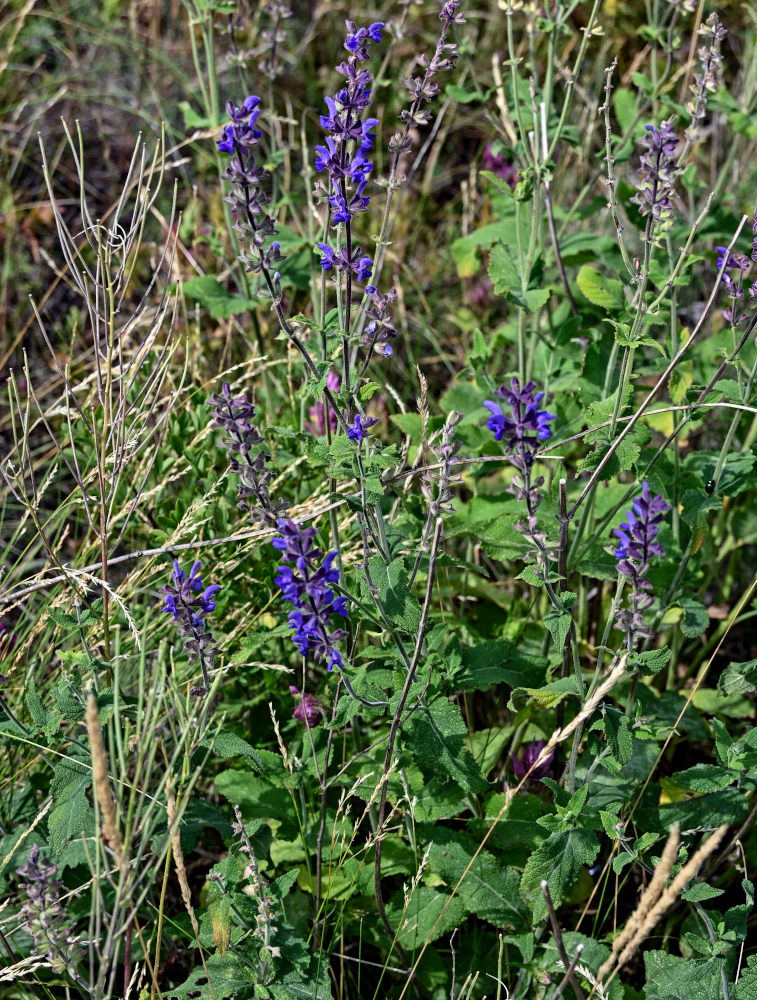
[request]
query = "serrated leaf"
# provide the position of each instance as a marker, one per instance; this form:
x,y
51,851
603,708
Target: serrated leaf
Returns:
x,y
399,603
671,978
652,661
696,504
226,745
746,988
704,778
70,810
738,678
280,886
546,696
435,735
559,624
415,924
695,618
600,290
618,733
700,891
559,860
220,978
680,380
499,661
489,889
63,619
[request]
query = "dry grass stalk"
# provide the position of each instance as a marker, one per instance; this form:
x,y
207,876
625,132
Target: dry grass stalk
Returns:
x,y
670,895
101,782
649,897
178,859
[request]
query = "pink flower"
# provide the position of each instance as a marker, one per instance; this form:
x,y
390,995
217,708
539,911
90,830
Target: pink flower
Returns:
x,y
309,709
497,164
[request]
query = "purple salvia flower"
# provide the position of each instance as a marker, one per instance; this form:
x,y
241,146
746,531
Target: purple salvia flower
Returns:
x,y
309,709
638,544
308,586
709,74
344,260
734,286
235,415
361,428
524,760
525,425
657,172
190,602
44,917
246,198
380,329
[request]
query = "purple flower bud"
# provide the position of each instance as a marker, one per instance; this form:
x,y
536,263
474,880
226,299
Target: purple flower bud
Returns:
x,y
523,761
309,709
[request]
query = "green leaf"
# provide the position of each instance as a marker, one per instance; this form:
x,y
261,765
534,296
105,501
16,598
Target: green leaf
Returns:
x,y
600,290
211,294
559,860
499,661
68,816
696,504
618,733
652,661
489,889
746,988
62,618
257,640
680,380
738,678
671,978
400,604
415,924
695,618
280,886
225,745
546,696
705,778
435,735
504,268
700,891
226,976
559,624
624,103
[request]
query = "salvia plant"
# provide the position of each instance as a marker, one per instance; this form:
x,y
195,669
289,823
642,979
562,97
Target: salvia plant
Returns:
x,y
378,476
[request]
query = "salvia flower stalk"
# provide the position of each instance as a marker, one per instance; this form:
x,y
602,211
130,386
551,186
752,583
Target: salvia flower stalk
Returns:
x,y
44,917
249,457
246,197
306,580
349,138
657,173
524,426
637,546
190,602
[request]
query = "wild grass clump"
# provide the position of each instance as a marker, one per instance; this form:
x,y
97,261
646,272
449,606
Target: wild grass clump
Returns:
x,y
378,469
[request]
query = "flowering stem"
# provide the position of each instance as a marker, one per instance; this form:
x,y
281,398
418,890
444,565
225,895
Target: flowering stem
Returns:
x,y
395,725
